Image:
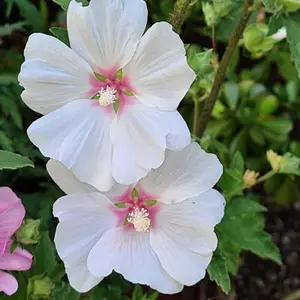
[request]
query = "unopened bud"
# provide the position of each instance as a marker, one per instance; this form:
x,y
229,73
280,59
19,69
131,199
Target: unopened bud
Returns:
x,y
250,178
28,233
40,287
254,36
274,159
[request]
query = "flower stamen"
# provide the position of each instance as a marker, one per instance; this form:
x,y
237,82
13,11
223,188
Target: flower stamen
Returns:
x,y
140,219
107,96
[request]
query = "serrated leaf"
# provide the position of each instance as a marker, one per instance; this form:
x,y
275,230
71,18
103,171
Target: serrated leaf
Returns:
x,y
292,27
243,224
231,183
289,164
61,34
218,272
10,160
230,253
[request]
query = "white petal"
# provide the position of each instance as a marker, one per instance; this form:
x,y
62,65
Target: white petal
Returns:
x,y
179,134
180,262
66,180
184,174
158,70
141,135
73,242
129,253
52,74
191,222
80,277
106,33
77,135
206,209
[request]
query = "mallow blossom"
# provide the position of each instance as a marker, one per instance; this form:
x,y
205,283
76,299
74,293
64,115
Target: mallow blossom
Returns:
x,y
12,213
158,232
110,99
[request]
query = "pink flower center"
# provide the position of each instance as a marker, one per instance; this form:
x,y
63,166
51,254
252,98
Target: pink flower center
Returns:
x,y
111,90
136,209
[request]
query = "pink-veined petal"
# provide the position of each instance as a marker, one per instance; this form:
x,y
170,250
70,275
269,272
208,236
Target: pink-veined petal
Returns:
x,y
158,71
52,74
77,135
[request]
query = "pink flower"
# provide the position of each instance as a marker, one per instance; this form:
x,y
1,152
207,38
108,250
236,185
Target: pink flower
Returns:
x,y
12,213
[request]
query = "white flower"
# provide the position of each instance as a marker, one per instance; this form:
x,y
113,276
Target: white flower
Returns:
x,y
110,100
159,232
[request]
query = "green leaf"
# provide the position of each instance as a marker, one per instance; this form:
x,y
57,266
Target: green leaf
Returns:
x,y
10,160
230,253
30,14
231,93
269,3
45,257
63,3
276,130
238,163
137,293
63,291
256,135
218,272
6,142
267,105
61,34
289,164
231,183
243,225
293,26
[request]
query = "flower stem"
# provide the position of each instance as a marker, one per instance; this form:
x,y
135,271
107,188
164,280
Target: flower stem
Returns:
x,y
179,13
196,116
266,176
220,75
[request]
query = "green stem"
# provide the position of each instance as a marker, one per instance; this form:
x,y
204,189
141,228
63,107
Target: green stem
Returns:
x,y
196,116
220,75
266,176
179,13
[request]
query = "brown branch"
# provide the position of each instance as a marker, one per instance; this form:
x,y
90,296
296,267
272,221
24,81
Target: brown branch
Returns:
x,y
220,75
213,36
